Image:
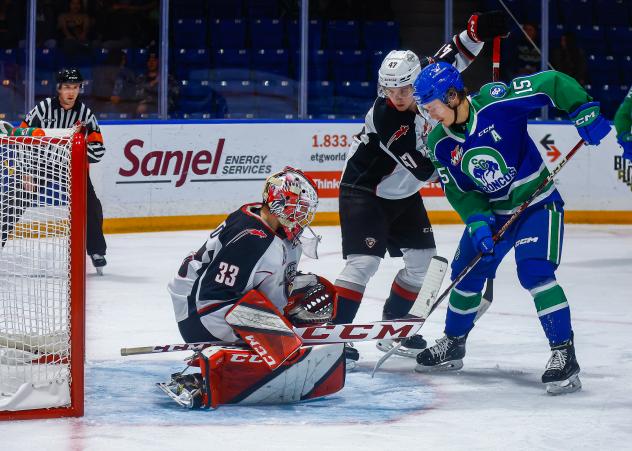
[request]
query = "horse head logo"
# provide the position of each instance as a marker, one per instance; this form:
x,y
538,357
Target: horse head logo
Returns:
x,y
487,168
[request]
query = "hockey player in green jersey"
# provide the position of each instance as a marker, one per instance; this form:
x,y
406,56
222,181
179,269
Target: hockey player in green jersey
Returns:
x,y
488,166
623,124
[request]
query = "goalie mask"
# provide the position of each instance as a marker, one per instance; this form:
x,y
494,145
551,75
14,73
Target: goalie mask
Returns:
x,y
292,198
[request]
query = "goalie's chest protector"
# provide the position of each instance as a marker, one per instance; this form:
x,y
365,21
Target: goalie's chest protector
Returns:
x,y
244,254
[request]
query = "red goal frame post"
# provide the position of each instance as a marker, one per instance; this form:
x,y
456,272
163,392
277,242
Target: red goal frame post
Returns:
x,y
77,253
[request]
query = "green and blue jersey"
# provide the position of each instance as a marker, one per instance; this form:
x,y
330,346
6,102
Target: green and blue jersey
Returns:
x,y
491,166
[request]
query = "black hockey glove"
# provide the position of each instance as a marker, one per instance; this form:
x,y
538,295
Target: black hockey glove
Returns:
x,y
486,26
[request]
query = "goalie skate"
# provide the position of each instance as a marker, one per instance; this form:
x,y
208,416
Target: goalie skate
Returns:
x,y
410,347
184,389
446,355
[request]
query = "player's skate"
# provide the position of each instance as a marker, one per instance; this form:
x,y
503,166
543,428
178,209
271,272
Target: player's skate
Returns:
x,y
351,356
99,262
446,355
185,389
562,370
411,346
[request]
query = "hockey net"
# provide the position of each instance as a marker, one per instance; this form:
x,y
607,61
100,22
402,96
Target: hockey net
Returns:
x,y
42,274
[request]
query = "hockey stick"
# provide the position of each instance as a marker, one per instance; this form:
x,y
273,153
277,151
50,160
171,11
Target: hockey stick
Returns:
x,y
512,219
341,333
496,237
486,300
311,335
496,59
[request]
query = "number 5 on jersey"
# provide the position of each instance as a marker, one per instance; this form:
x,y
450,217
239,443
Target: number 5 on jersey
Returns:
x,y
227,274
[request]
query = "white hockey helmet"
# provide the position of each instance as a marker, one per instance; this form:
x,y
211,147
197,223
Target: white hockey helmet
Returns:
x,y
399,68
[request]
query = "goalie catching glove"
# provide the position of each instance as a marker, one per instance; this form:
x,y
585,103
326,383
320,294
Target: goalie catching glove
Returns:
x,y
312,300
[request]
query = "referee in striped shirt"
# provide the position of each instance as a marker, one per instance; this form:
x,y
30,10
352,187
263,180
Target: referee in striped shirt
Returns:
x,y
64,111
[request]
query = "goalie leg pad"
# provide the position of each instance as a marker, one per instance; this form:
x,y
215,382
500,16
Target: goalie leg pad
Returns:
x,y
240,376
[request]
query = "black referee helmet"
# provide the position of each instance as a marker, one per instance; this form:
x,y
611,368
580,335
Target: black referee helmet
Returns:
x,y
69,76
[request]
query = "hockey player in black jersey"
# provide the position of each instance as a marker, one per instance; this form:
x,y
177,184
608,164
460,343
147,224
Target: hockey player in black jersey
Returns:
x,y
257,247
250,263
64,111
380,205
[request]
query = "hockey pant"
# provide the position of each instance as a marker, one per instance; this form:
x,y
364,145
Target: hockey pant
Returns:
x,y
537,239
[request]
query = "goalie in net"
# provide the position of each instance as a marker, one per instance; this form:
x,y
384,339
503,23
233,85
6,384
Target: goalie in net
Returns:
x,y
242,286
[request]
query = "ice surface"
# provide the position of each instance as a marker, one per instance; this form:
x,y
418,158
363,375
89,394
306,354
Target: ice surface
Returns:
x,y
495,402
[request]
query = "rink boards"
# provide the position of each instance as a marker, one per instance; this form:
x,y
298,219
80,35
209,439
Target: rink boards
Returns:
x,y
172,176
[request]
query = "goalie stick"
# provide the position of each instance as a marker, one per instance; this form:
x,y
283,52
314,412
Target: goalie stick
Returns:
x,y
311,335
340,333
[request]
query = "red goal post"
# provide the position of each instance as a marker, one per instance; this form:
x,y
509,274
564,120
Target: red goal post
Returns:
x,y
42,274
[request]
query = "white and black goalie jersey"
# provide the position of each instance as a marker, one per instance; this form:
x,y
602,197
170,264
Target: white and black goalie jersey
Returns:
x,y
242,254
50,114
388,157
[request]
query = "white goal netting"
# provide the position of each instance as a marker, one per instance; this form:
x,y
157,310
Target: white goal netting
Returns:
x,y
35,270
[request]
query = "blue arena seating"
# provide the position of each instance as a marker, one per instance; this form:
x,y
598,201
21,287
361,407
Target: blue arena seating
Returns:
x,y
7,105
320,98
270,63
267,33
137,59
343,34
318,65
612,12
190,33
315,35
225,9
603,70
262,8
590,38
185,9
610,97
375,61
46,59
100,56
577,12
44,87
625,68
228,34
231,64
275,99
381,35
349,65
239,97
188,60
619,40
196,96
353,97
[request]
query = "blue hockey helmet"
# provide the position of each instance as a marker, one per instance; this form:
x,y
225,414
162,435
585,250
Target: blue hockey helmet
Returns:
x,y
435,81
